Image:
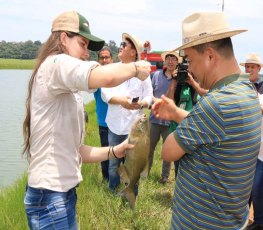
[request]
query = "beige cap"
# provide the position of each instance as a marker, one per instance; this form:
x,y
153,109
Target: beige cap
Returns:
x,y
74,22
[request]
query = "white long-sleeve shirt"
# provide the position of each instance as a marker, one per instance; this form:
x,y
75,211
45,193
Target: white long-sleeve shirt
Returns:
x,y
119,119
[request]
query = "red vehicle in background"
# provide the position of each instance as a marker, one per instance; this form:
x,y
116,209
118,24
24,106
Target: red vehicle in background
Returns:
x,y
153,57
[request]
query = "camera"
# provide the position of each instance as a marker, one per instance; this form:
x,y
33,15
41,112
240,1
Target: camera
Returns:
x,y
182,71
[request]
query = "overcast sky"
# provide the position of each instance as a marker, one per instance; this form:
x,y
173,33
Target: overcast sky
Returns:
x,y
156,20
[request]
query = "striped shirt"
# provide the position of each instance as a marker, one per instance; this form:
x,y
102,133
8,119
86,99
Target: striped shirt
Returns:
x,y
221,138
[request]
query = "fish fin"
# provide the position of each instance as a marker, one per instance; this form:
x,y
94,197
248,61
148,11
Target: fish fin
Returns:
x,y
123,174
130,196
145,171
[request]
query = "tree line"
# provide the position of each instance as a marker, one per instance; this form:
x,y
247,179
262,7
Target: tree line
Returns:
x,y
29,50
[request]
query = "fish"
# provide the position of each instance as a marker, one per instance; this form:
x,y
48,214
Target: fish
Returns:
x,y
136,164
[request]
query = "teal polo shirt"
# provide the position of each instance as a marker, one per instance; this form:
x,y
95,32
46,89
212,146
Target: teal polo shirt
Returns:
x,y
221,138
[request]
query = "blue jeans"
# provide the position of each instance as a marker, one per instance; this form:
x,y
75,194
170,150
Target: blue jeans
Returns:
x,y
47,209
114,178
257,193
103,131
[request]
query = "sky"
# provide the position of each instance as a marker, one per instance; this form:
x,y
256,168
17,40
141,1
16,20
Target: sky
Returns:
x,y
159,21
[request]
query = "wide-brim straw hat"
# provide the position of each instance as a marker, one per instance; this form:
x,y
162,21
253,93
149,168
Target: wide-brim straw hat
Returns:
x,y
204,27
164,54
252,58
137,43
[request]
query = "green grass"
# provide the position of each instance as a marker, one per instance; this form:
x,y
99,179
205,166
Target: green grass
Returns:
x,y
97,207
16,64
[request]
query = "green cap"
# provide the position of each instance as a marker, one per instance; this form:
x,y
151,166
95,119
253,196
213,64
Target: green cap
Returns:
x,y
74,22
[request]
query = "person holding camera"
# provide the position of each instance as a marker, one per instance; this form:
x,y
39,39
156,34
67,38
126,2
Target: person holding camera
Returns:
x,y
218,141
125,103
160,128
185,91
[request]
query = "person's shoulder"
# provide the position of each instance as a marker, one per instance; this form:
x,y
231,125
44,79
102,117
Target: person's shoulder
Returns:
x,y
157,73
260,78
57,57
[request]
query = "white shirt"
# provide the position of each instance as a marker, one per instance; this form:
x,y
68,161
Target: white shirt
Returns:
x,y
57,122
119,119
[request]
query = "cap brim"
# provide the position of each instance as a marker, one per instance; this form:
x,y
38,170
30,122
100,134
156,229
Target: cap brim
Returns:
x,y
95,43
209,38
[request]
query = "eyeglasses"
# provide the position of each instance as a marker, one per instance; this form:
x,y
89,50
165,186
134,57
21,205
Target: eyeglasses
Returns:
x,y
123,44
104,57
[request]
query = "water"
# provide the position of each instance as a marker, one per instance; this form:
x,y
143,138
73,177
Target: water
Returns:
x,y
13,91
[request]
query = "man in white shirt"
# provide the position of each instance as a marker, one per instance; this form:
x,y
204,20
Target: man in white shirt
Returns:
x,y
125,103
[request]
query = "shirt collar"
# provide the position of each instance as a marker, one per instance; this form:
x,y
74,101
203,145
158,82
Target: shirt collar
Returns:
x,y
225,81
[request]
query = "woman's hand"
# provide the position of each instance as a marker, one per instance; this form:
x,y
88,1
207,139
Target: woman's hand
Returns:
x,y
143,69
119,150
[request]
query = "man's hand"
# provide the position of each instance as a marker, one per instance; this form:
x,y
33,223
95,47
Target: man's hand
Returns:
x,y
164,108
126,102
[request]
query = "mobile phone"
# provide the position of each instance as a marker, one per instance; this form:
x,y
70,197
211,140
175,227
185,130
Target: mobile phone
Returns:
x,y
135,99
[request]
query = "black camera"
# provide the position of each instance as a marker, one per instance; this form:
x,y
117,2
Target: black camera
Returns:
x,y
182,71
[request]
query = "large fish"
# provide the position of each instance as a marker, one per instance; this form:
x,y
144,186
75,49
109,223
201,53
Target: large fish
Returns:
x,y
136,162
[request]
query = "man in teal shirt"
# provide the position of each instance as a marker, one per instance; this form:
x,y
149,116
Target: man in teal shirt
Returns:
x,y
218,141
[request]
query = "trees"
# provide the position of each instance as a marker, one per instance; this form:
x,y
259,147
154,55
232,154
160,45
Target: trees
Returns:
x,y
19,50
29,50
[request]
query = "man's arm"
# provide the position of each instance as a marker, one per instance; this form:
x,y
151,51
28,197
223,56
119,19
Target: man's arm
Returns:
x,y
171,150
171,89
191,81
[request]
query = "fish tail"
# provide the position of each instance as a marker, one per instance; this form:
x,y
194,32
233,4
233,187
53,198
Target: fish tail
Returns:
x,y
130,196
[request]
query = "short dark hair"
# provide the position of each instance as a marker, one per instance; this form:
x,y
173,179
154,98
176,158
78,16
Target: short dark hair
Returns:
x,y
105,48
171,55
223,46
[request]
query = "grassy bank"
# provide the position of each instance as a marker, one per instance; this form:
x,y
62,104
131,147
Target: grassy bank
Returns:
x,y
16,64
97,208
